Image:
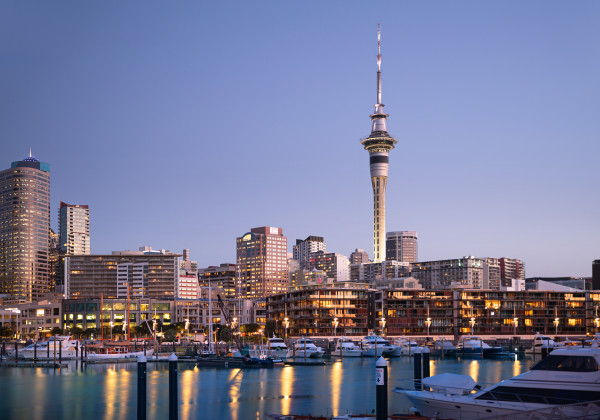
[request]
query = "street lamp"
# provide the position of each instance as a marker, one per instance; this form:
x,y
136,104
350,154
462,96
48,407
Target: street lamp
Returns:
x,y
335,325
111,328
472,322
261,337
428,323
556,322
286,324
382,323
187,328
515,324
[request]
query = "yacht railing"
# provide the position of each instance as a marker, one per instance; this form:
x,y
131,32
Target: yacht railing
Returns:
x,y
584,411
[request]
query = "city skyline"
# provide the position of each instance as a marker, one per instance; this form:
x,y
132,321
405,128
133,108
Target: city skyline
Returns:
x,y
199,122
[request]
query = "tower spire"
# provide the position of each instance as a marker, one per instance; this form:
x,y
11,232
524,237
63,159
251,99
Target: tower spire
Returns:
x,y
379,64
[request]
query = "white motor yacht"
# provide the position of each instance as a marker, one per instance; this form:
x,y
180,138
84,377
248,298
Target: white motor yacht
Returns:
x,y
566,380
408,347
541,342
472,345
346,348
304,347
277,347
66,348
372,346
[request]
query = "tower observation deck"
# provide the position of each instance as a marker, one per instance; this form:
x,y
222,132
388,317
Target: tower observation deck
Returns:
x,y
378,144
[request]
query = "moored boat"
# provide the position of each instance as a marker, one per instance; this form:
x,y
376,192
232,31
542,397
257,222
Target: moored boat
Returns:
x,y
567,381
475,346
345,347
305,348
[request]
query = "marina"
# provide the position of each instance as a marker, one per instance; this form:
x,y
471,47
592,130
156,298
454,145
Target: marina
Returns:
x,y
338,386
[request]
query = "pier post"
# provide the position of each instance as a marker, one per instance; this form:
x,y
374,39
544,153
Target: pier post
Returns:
x,y
16,351
141,388
426,372
54,343
59,353
417,371
145,347
48,351
173,387
77,350
3,354
381,379
35,352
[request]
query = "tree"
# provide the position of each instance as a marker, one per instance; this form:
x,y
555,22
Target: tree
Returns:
x,y
171,334
270,328
76,331
224,334
250,328
56,330
6,331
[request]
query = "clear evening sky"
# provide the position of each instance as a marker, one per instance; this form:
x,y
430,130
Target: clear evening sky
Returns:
x,y
184,123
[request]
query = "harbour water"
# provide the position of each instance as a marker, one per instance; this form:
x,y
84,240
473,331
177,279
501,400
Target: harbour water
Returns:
x,y
108,391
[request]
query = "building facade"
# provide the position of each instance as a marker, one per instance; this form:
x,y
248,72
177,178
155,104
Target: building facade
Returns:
x,y
142,274
336,266
303,248
451,313
402,246
74,229
262,263
25,229
511,268
466,272
222,276
379,273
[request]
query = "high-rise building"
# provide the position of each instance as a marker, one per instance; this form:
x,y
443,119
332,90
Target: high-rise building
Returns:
x,y
359,256
378,144
304,248
465,272
222,277
383,271
402,246
511,268
262,263
596,275
25,229
146,273
336,266
74,229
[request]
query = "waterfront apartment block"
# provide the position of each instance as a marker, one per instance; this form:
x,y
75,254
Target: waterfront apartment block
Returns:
x,y
144,274
402,246
303,248
464,272
24,229
222,276
262,263
357,309
74,229
336,266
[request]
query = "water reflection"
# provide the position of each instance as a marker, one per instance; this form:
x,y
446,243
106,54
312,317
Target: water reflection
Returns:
x,y
287,380
109,391
336,386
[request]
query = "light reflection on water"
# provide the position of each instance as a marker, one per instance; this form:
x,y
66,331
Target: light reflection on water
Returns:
x,y
109,391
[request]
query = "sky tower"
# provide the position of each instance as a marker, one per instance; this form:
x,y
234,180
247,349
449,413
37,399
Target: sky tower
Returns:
x,y
378,144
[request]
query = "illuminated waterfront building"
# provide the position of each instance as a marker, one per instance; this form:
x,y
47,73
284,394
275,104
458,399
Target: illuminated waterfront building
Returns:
x,y
378,144
262,263
25,229
402,246
511,268
311,310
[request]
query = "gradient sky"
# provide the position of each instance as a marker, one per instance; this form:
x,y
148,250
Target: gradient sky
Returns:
x,y
184,124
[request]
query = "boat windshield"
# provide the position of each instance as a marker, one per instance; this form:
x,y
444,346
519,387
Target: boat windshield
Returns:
x,y
539,395
567,363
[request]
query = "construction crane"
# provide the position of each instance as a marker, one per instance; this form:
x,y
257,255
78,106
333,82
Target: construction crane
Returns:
x,y
228,320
